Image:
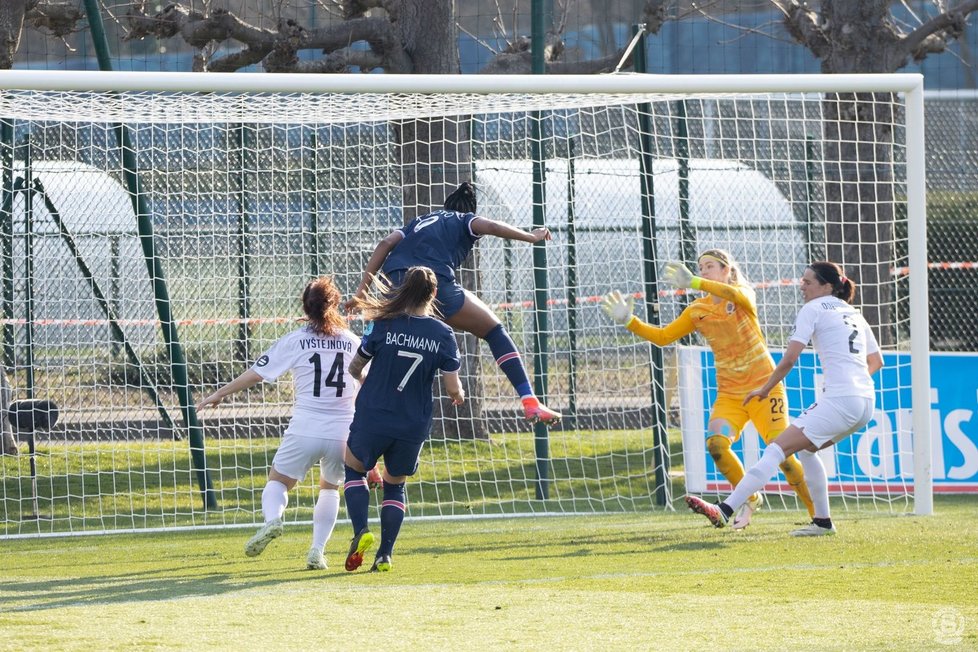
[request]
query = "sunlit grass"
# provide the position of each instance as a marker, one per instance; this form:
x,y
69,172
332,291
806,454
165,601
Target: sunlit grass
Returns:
x,y
639,580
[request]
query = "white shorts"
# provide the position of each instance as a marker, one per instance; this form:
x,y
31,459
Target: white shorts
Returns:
x,y
832,419
298,454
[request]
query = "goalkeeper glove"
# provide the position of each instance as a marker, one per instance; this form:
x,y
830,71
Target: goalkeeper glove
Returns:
x,y
618,307
680,277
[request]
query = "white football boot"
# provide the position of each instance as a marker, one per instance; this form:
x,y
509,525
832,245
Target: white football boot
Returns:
x,y
271,530
746,511
813,530
315,559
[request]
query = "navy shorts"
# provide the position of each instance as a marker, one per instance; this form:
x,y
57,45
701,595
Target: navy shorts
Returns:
x,y
400,456
450,295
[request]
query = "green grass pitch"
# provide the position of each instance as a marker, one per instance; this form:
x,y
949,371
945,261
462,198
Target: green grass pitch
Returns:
x,y
660,581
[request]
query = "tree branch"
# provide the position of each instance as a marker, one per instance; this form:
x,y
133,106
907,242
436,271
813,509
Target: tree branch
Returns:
x,y
277,50
198,29
934,35
654,16
377,32
589,67
11,26
517,57
342,61
357,8
803,25
60,17
520,63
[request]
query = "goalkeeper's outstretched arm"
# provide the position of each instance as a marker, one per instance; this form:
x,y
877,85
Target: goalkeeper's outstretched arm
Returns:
x,y
680,277
620,309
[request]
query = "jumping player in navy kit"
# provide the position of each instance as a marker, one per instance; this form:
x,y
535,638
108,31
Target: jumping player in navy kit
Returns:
x,y
441,241
405,346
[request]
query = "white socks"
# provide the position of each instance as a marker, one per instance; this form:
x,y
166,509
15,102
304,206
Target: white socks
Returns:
x,y
324,517
274,499
757,476
818,484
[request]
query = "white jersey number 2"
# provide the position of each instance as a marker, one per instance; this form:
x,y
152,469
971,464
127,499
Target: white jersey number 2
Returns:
x,y
853,335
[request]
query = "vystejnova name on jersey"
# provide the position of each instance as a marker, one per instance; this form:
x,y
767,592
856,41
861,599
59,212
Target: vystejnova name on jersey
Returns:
x,y
413,342
317,343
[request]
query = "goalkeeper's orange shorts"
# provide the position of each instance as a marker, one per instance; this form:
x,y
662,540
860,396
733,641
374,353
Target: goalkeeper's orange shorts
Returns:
x,y
769,415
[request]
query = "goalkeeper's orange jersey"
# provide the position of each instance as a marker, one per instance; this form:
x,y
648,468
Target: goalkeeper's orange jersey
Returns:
x,y
730,326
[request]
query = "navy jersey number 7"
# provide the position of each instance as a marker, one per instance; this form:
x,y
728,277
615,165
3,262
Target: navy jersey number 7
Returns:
x,y
405,353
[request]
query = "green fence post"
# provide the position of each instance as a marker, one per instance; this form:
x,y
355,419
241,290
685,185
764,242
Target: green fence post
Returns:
x,y
810,176
309,176
541,434
660,435
242,343
29,273
7,240
178,362
687,231
571,284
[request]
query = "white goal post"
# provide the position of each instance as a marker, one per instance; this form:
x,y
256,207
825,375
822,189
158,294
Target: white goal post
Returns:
x,y
157,229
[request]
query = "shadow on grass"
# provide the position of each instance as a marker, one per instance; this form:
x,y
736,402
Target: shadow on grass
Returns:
x,y
152,586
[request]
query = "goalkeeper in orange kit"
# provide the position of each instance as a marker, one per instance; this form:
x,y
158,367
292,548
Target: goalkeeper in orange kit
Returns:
x,y
727,318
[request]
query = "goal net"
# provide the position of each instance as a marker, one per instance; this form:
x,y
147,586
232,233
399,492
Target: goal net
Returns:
x,y
158,230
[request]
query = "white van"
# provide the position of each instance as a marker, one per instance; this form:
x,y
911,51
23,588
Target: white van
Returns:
x,y
731,206
97,211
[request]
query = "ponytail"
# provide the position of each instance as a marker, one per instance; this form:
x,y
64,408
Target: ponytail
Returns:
x,y
415,295
829,273
320,303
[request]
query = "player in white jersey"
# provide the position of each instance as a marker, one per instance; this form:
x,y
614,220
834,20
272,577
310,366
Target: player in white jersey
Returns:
x,y
849,356
318,355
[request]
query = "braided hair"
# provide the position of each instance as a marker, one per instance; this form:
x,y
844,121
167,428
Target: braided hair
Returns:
x,y
462,200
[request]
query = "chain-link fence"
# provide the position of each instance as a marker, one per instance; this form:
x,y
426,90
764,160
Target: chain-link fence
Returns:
x,y
952,214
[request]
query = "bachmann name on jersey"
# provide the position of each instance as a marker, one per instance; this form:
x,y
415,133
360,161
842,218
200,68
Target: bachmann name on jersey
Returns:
x,y
405,354
412,341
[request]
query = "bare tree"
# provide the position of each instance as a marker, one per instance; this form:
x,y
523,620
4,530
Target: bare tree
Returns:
x,y
58,17
864,37
400,36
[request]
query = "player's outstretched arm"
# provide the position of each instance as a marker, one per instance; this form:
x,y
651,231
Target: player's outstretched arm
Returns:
x,y
247,379
874,362
677,275
485,226
374,263
620,310
454,387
